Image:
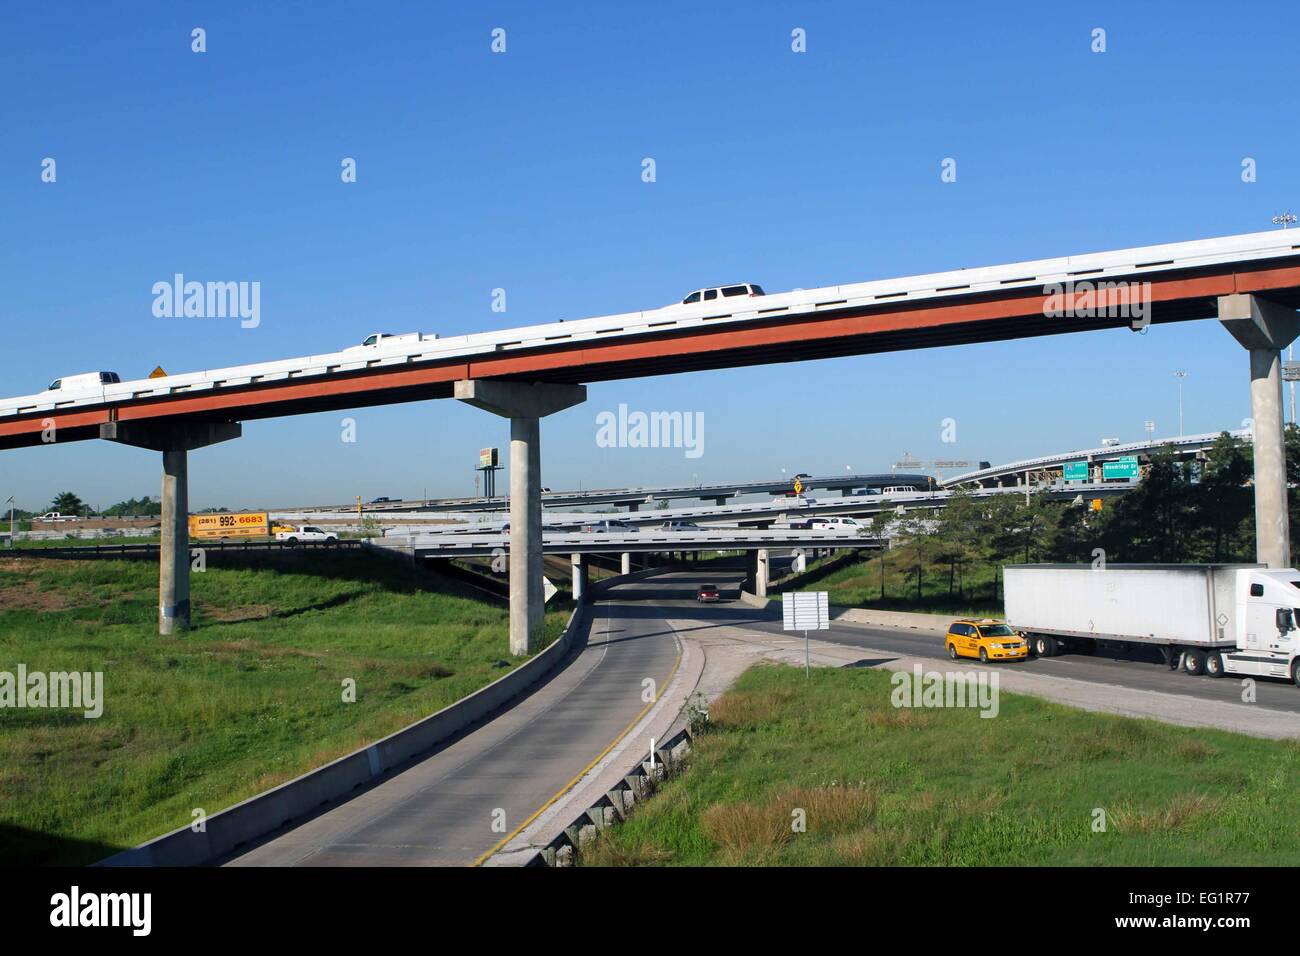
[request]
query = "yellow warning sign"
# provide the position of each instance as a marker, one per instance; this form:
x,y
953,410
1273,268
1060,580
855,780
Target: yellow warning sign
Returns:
x,y
798,486
1096,504
157,372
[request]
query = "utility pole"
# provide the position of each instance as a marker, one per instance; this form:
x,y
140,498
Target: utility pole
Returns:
x,y
12,507
1284,220
1290,357
1180,375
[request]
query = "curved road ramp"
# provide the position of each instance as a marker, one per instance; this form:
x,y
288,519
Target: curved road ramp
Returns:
x,y
305,796
528,770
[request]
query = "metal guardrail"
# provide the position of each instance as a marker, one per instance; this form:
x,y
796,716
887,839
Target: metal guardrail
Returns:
x,y
137,550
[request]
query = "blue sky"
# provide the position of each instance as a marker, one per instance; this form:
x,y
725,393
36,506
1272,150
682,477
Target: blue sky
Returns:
x,y
522,171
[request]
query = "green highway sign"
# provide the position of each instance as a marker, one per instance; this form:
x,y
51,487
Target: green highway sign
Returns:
x,y
1075,471
1126,468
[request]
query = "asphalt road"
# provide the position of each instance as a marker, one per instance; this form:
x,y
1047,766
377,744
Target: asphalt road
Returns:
x,y
442,810
1142,670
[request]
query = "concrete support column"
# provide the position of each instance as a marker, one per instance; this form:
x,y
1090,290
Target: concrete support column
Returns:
x,y
527,605
626,562
1264,328
579,562
525,404
751,571
761,572
720,501
174,559
1272,522
175,441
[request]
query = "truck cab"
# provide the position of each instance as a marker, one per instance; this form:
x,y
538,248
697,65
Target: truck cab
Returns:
x,y
1268,625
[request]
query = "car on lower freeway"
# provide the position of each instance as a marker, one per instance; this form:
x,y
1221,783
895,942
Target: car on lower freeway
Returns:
x,y
708,593
987,639
305,532
609,527
835,523
793,501
679,526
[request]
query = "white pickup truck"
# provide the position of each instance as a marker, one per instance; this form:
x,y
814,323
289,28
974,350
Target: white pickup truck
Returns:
x,y
1212,619
305,532
378,339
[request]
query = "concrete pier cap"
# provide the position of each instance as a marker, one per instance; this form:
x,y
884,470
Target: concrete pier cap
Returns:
x,y
525,404
1264,328
519,399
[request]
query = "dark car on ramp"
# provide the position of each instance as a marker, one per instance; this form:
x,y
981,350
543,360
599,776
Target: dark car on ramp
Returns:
x,y
708,592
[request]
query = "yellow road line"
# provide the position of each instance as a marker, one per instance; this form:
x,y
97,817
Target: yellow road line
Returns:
x,y
582,773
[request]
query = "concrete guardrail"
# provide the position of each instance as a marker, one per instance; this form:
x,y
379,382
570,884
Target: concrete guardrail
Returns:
x,y
616,804
266,812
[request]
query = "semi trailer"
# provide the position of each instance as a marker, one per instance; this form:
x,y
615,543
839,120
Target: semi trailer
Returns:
x,y
1212,619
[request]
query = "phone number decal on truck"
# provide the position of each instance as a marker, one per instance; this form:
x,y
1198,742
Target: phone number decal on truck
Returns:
x,y
246,525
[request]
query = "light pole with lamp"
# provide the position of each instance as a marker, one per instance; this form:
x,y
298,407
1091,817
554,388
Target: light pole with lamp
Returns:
x,y
1180,375
1284,220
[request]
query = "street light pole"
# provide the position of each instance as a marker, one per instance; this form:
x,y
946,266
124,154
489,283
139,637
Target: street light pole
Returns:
x,y
1180,375
1290,357
12,507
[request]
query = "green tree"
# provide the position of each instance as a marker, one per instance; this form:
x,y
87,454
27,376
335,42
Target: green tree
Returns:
x,y
1223,503
66,503
134,506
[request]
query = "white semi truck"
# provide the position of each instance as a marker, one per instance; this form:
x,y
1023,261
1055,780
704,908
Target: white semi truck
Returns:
x,y
1210,619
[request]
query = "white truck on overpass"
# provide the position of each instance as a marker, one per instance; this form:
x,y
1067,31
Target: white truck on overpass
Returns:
x,y
1207,618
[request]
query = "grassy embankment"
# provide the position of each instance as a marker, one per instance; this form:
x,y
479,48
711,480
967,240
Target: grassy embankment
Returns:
x,y
253,696
891,786
942,590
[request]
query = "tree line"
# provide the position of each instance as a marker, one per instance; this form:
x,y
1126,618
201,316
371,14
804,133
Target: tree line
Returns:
x,y
1182,512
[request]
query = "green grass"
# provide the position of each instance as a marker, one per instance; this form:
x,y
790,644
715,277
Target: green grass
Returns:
x,y
27,545
944,787
858,585
248,699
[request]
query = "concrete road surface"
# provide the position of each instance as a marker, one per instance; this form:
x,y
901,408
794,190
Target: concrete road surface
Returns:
x,y
1141,670
442,810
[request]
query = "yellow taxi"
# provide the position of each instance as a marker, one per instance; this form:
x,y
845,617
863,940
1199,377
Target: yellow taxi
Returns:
x,y
988,640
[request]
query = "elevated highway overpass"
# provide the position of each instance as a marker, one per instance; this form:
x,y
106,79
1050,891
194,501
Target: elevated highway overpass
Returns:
x,y
757,514
1178,281
633,498
1251,283
1049,467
